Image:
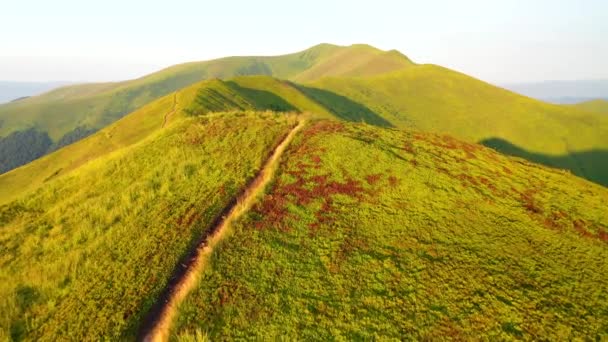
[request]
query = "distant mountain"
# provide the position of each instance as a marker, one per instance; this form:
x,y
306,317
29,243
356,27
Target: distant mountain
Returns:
x,y
562,92
353,83
68,111
12,90
595,106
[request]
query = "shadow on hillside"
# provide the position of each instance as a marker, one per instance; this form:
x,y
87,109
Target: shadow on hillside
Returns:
x,y
343,107
261,99
591,165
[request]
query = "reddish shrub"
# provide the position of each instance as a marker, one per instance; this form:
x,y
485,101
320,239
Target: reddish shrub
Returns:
x,y
581,226
373,178
602,235
393,181
409,148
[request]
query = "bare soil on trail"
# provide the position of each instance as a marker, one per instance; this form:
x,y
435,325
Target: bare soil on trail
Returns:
x,y
157,325
171,112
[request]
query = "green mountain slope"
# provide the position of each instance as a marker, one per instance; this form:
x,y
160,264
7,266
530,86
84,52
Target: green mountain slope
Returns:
x,y
258,93
362,224
66,111
87,254
436,99
596,106
370,233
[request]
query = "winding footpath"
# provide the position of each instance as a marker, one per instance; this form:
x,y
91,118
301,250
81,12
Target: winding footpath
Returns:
x,y
168,115
158,324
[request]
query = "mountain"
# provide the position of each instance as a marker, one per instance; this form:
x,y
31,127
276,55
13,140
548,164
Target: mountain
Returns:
x,y
562,92
596,106
14,91
432,98
407,99
357,83
61,115
371,233
362,231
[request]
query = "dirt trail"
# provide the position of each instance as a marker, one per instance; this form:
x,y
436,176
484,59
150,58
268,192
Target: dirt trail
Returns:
x,y
168,115
158,324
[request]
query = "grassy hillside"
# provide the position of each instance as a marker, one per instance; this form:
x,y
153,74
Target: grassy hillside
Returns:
x,y
87,254
96,105
125,132
370,233
436,99
596,106
242,93
62,113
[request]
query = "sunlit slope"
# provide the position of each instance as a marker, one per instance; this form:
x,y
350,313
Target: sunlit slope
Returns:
x,y
358,60
596,106
127,131
435,99
86,255
257,93
369,233
96,105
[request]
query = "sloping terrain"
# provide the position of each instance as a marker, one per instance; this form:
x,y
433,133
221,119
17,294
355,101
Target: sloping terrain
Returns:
x,y
435,99
125,132
354,83
370,233
61,114
596,106
88,253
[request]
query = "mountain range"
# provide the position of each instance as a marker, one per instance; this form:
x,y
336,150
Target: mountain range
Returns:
x,y
334,193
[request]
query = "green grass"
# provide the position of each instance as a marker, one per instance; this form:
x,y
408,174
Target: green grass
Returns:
x,y
97,105
125,132
372,233
435,99
87,253
354,83
595,106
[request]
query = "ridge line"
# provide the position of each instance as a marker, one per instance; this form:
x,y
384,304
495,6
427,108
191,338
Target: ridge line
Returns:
x,y
156,326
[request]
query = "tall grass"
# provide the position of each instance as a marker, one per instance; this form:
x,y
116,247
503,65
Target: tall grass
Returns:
x,y
372,233
87,254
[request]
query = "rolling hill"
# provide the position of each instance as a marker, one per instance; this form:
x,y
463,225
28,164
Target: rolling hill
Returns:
x,y
435,99
87,254
388,228
355,83
70,113
379,234
595,106
15,90
562,137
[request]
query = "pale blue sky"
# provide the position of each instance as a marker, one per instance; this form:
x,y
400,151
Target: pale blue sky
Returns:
x,y
497,41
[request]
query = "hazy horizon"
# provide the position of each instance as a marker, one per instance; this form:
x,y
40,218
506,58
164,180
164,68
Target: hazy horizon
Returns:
x,y
498,42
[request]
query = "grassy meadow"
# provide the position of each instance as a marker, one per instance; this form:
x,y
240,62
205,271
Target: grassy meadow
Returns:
x,y
370,233
595,106
434,99
87,253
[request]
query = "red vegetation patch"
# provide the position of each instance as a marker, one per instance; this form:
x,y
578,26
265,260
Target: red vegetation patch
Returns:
x,y
316,159
306,189
451,143
580,226
602,235
409,148
324,127
466,180
393,181
530,203
373,179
